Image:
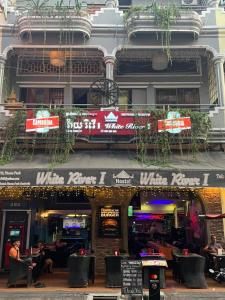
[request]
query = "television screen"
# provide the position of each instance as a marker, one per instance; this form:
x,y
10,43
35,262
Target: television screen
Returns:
x,y
74,223
14,232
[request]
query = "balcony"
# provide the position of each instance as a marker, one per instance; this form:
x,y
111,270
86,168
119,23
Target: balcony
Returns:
x,y
54,22
188,24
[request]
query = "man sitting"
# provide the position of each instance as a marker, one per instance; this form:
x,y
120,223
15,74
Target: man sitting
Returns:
x,y
45,262
213,246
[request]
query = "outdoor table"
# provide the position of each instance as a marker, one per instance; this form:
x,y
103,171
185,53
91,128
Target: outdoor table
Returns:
x,y
113,270
190,270
219,260
79,270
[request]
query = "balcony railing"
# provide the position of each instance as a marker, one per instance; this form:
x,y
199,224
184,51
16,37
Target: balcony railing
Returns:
x,y
189,23
52,20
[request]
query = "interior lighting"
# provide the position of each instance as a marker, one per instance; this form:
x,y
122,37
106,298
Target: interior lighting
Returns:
x,y
161,202
57,58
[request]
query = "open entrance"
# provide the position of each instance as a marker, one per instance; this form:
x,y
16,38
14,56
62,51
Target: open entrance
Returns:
x,y
162,218
59,217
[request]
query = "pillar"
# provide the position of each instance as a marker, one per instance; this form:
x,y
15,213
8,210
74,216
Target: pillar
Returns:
x,y
218,63
2,69
109,65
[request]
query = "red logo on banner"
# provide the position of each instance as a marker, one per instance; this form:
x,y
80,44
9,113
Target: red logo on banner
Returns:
x,y
40,123
107,122
173,124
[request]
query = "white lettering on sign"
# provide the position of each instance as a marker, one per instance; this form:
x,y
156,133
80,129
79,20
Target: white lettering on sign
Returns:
x,y
102,178
49,178
152,178
43,122
78,178
180,179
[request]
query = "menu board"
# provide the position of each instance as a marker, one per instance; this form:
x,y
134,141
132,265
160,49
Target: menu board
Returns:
x,y
109,221
131,274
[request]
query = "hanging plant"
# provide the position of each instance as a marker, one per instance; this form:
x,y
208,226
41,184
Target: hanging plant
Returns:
x,y
164,16
10,135
163,141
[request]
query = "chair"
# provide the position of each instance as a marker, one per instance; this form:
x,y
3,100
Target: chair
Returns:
x,y
175,269
191,271
19,270
113,271
78,270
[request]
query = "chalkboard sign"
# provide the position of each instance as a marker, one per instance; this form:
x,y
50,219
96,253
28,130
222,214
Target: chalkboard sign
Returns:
x,y
131,273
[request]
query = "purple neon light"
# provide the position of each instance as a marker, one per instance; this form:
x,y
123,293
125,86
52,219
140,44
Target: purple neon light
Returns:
x,y
161,202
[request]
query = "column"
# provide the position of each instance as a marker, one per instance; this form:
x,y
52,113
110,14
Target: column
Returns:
x,y
218,62
2,69
109,66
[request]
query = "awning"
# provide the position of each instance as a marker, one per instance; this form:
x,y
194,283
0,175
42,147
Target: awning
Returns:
x,y
116,168
213,216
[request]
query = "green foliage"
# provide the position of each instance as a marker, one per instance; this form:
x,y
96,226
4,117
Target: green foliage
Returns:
x,y
164,16
59,143
162,142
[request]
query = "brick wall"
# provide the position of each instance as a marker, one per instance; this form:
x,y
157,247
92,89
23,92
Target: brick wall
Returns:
x,y
212,201
106,246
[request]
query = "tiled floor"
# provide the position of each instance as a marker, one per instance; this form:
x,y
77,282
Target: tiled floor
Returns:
x,y
58,282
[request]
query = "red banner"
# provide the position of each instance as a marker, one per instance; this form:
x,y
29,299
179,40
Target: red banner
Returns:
x,y
174,124
107,122
40,123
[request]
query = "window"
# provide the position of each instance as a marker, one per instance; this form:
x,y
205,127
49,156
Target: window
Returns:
x,y
80,97
182,96
125,99
42,95
143,66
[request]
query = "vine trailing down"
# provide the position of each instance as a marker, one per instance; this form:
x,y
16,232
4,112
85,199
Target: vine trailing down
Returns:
x,y
164,142
164,16
59,142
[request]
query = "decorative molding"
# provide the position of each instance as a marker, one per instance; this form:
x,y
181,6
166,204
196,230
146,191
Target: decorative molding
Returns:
x,y
189,22
29,24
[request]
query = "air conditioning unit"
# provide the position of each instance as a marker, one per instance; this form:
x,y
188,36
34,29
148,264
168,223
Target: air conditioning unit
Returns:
x,y
189,2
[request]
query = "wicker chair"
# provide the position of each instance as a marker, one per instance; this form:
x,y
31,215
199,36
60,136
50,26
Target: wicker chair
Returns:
x,y
191,271
19,271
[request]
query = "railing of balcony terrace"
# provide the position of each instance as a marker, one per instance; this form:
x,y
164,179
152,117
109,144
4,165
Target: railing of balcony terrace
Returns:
x,y
139,127
123,107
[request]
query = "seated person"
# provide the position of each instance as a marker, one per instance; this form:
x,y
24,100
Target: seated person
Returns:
x,y
213,246
45,262
14,252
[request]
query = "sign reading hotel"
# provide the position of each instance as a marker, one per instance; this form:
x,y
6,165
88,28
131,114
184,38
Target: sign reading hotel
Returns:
x,y
107,122
174,123
42,123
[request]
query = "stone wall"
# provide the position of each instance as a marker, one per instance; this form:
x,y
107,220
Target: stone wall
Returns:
x,y
212,201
